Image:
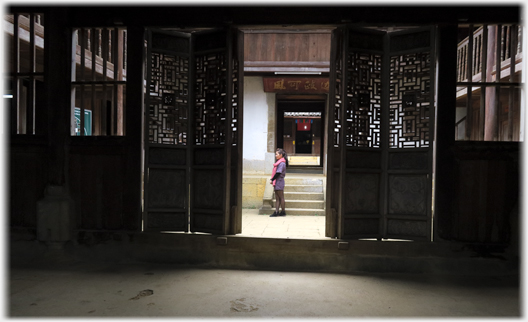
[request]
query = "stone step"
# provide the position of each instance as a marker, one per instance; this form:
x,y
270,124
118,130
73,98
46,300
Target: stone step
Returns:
x,y
302,181
302,188
305,170
303,195
304,204
295,212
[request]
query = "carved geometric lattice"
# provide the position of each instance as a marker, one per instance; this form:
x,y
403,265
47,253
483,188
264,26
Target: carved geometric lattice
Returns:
x,y
335,136
363,100
234,104
410,95
168,99
210,109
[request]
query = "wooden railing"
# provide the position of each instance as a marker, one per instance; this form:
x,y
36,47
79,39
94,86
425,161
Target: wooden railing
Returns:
x,y
489,67
24,25
462,56
104,53
509,34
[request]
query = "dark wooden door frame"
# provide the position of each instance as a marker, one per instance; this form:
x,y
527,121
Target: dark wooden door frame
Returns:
x,y
319,103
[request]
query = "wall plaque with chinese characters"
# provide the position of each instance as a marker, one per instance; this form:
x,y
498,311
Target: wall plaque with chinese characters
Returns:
x,y
296,85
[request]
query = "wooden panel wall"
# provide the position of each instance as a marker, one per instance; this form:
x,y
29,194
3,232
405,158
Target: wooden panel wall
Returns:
x,y
28,177
487,191
97,186
287,47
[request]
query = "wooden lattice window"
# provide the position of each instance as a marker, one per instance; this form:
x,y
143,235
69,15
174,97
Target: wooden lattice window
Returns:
x,y
210,109
489,83
24,66
335,136
364,102
169,96
410,97
98,81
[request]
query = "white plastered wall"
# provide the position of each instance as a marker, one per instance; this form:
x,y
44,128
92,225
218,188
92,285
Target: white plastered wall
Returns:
x,y
259,125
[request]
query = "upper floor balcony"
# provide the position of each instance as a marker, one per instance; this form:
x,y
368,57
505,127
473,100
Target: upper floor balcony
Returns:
x,y
477,55
102,48
489,93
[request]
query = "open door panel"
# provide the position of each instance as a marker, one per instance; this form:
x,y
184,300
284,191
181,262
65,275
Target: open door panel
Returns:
x,y
192,157
167,144
380,123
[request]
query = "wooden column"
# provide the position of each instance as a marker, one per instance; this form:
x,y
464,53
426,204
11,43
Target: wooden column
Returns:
x,y
55,212
445,135
133,118
57,80
491,100
118,74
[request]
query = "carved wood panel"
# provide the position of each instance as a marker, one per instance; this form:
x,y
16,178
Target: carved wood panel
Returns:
x,y
207,189
167,147
336,109
363,126
362,193
407,194
210,104
167,188
387,121
168,99
216,123
410,109
235,100
185,166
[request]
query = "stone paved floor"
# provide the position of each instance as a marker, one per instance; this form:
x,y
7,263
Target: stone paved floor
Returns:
x,y
305,227
65,289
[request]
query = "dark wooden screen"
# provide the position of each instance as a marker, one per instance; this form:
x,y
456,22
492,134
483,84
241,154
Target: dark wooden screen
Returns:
x,y
167,126
411,123
194,174
381,121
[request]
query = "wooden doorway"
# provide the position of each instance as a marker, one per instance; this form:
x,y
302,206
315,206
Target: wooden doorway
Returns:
x,y
300,129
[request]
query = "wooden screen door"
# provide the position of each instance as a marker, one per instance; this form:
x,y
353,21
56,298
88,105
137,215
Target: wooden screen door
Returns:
x,y
381,121
193,132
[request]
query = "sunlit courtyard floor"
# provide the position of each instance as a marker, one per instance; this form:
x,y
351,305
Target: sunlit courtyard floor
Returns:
x,y
305,227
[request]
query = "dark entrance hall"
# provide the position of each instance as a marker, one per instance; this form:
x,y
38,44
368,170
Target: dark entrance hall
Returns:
x,y
300,128
98,227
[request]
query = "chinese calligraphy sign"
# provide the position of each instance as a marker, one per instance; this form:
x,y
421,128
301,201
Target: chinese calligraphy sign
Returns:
x,y
296,85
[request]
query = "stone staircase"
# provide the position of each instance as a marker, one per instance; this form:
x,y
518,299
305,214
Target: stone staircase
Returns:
x,y
304,197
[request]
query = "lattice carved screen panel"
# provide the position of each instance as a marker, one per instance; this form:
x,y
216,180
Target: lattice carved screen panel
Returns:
x,y
338,103
363,117
169,95
234,104
410,96
210,109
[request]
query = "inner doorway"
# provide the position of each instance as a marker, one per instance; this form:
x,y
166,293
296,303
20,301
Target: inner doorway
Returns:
x,y
300,130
